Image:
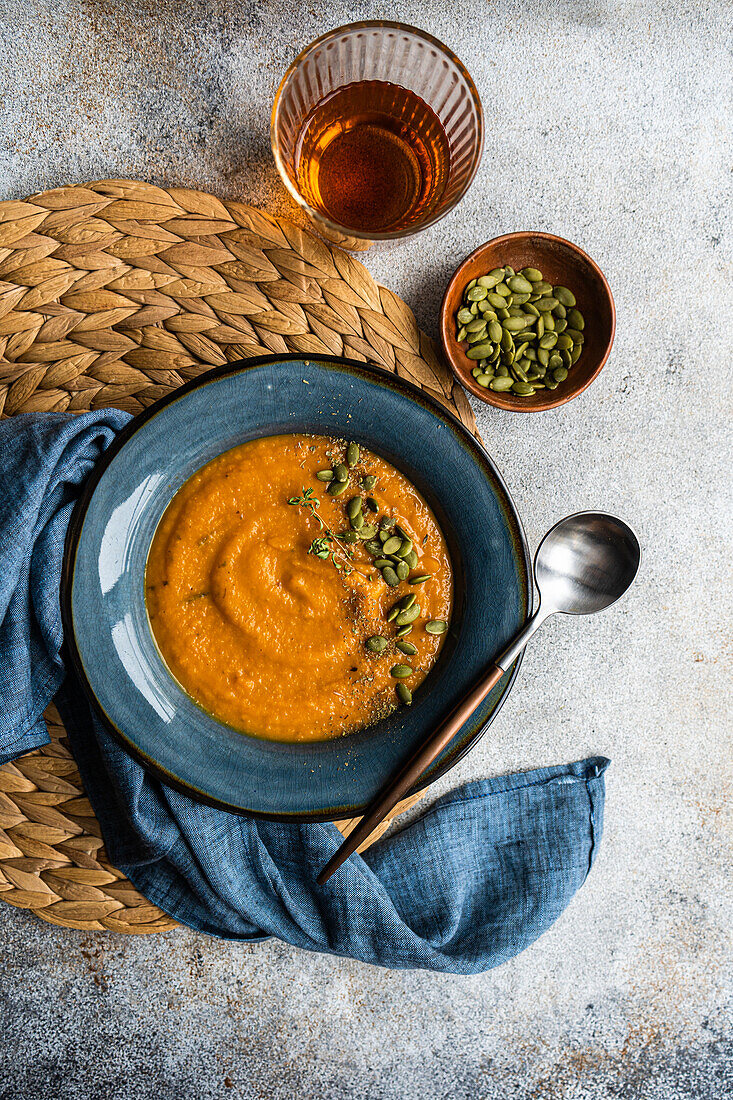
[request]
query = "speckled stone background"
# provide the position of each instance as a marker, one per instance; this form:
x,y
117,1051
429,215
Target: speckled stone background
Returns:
x,y
609,121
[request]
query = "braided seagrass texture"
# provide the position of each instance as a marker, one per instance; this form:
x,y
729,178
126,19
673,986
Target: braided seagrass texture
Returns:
x,y
113,294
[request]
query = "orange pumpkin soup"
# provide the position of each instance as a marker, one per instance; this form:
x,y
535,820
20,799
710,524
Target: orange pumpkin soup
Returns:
x,y
289,607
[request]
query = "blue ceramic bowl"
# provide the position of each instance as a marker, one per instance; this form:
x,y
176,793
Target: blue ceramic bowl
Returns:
x,y
106,623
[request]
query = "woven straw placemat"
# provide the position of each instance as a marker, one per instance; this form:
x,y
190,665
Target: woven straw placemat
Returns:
x,y
113,294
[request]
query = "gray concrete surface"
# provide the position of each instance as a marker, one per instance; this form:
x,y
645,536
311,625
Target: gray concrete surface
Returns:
x,y
609,123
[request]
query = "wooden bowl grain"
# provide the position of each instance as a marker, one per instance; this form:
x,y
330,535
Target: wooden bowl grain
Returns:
x,y
561,263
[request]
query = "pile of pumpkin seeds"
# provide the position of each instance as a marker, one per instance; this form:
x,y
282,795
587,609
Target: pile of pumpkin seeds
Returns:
x,y
524,333
393,554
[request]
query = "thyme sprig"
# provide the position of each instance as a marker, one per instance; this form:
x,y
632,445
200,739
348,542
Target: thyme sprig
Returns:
x,y
328,545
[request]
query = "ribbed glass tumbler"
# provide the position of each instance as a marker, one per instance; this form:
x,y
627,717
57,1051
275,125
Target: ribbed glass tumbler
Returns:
x,y
377,132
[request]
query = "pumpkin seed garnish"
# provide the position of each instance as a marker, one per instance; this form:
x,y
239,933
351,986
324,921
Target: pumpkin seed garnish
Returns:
x,y
436,626
403,694
392,544
401,672
390,576
406,647
336,488
421,579
369,482
353,507
376,644
352,454
404,630
325,475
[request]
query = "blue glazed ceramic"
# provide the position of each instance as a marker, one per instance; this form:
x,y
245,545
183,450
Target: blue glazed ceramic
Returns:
x,y
106,622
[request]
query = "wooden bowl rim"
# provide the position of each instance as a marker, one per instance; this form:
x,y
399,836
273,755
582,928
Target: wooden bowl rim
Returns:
x,y
451,350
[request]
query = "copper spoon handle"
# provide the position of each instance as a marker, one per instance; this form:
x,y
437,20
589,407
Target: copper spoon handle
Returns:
x,y
408,775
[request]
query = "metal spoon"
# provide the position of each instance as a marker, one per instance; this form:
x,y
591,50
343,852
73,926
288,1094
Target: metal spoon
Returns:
x,y
583,565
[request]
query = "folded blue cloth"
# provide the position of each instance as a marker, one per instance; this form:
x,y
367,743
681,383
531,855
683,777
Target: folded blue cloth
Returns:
x,y
470,884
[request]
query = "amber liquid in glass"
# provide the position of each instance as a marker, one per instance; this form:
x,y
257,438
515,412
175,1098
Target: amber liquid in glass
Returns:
x,y
373,157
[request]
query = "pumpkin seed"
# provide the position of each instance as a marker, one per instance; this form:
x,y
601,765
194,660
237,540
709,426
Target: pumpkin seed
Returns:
x,y
408,616
372,504
488,281
349,536
500,385
411,559
336,488
403,570
376,644
369,482
548,340
514,324
464,316
353,507
421,579
357,521
368,531
401,672
406,601
374,547
392,613
407,648
495,300
564,341
402,630
392,544
479,351
340,472
575,354
531,274
477,293
519,284
560,374
390,576
436,626
484,379
523,389
546,305
477,325
575,319
565,296
403,694
325,475
381,563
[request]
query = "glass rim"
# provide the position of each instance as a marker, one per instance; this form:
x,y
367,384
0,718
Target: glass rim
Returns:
x,y
316,215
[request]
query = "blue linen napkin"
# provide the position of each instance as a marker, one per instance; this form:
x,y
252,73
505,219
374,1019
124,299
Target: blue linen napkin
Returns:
x,y
470,884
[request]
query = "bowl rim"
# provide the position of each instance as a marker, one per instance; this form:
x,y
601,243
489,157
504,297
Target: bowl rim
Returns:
x,y
501,400
74,531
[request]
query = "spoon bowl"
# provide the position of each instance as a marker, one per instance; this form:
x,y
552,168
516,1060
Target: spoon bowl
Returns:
x,y
585,563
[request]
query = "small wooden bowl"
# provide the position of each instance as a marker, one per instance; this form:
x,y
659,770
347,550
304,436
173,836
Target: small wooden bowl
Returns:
x,y
561,263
